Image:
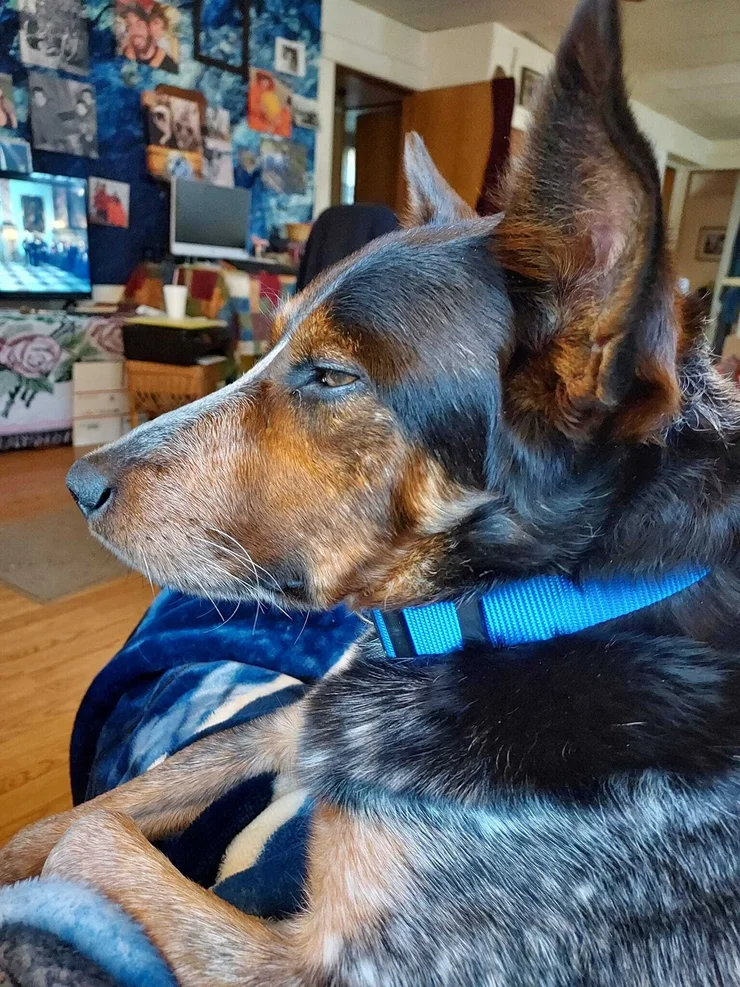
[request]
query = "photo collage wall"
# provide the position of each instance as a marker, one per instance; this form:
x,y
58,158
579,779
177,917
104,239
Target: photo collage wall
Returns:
x,y
112,91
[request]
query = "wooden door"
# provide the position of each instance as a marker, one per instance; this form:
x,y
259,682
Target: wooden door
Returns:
x,y
378,146
456,124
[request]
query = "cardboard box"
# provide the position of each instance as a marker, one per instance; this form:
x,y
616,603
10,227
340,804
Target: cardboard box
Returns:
x,y
98,431
99,403
99,375
94,404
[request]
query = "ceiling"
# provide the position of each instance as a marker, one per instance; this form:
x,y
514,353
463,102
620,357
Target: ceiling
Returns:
x,y
683,56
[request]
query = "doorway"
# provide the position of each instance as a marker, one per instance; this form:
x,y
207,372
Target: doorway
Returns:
x,y
368,139
704,221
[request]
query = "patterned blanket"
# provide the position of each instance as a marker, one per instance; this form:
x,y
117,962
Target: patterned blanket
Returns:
x,y
188,670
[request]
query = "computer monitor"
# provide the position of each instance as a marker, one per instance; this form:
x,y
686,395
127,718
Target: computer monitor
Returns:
x,y
209,221
43,237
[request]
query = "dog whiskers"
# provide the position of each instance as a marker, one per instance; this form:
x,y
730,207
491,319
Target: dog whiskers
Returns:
x,y
231,577
242,549
148,574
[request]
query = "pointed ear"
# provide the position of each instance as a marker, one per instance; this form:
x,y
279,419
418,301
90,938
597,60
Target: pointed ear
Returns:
x,y
584,243
430,198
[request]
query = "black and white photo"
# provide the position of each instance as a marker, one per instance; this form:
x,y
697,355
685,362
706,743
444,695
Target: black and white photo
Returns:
x,y
63,115
53,35
290,57
305,111
218,161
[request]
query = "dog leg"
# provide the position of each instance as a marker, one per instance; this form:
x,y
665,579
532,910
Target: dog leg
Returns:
x,y
173,794
360,871
206,941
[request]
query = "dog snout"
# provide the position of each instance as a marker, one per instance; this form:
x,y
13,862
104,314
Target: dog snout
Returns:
x,y
91,488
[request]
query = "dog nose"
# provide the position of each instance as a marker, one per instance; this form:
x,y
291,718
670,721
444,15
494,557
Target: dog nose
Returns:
x,y
89,487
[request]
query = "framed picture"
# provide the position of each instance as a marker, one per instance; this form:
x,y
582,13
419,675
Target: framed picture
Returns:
x,y
15,155
290,57
283,166
268,104
53,35
711,242
305,111
222,45
148,33
63,115
108,202
530,82
218,161
174,136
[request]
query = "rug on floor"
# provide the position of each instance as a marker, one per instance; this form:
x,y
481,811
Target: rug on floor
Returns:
x,y
53,555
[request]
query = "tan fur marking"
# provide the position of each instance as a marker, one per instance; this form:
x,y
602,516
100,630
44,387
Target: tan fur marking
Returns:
x,y
358,872
206,941
175,792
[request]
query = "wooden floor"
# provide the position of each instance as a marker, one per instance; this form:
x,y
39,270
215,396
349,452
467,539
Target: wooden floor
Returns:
x,y
49,653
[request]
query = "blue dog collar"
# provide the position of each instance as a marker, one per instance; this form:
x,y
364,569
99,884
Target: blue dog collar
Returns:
x,y
521,612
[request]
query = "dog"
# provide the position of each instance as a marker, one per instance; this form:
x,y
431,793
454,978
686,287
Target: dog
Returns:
x,y
463,406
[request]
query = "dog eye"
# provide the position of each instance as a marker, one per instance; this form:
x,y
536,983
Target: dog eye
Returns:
x,y
336,378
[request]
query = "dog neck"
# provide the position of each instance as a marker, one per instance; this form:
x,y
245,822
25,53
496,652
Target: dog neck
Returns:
x,y
523,612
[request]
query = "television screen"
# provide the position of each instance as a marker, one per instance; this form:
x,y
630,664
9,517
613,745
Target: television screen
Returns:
x,y
43,240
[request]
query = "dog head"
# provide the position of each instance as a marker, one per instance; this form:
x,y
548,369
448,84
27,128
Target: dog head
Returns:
x,y
433,410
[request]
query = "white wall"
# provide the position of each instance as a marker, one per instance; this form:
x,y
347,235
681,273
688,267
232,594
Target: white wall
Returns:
x,y
364,40
708,203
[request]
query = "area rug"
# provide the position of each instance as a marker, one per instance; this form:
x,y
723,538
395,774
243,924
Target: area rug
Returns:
x,y
53,554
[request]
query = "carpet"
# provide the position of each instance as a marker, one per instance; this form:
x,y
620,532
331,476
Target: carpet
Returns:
x,y
53,554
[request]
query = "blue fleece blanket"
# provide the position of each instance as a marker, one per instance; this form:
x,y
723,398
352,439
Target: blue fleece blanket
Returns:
x,y
190,669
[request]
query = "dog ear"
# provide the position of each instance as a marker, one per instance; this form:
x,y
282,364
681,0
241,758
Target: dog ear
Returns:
x,y
583,240
430,198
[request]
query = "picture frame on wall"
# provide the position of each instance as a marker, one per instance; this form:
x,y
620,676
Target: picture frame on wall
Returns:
x,y
208,47
290,57
710,243
529,84
15,156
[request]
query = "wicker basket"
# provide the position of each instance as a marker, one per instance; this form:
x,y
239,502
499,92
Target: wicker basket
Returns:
x,y
154,388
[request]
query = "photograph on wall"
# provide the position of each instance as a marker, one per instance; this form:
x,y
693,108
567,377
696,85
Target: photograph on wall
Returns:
x,y
529,87
290,57
218,160
15,155
283,166
108,202
8,116
268,108
63,115
711,243
174,136
305,112
53,35
146,32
